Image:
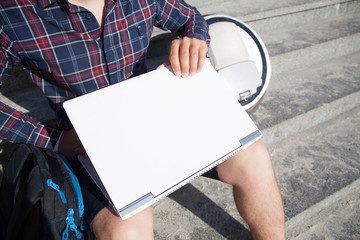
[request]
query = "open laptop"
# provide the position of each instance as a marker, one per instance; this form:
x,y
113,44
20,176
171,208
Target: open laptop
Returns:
x,y
148,136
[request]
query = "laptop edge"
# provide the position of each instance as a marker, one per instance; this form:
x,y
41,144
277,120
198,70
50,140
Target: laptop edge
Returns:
x,y
149,199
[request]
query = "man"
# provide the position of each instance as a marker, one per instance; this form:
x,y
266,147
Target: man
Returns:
x,y
72,47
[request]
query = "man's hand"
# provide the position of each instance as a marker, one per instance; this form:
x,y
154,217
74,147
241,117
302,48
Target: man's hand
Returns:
x,y
187,56
70,145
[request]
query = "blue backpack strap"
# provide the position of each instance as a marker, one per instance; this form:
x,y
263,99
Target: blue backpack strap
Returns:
x,y
76,185
69,220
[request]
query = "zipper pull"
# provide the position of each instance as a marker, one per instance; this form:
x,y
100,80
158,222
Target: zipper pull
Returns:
x,y
65,235
71,224
56,188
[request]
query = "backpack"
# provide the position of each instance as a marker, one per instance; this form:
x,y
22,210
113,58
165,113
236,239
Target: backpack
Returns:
x,y
40,197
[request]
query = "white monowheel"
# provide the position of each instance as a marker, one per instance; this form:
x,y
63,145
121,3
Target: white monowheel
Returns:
x,y
240,57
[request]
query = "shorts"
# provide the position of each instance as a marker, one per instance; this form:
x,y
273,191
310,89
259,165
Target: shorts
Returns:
x,y
213,174
94,200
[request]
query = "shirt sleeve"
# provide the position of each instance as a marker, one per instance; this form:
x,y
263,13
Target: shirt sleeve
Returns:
x,y
14,125
20,128
5,57
182,19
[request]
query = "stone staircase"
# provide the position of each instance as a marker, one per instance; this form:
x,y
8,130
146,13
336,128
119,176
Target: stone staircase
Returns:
x,y
310,118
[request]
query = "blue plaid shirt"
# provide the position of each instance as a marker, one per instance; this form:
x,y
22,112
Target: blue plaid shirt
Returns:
x,y
68,54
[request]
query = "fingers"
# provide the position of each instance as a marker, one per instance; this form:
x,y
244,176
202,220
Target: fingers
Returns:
x,y
202,56
174,57
187,56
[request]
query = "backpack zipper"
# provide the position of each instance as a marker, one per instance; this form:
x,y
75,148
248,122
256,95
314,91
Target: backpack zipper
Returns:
x,y
76,185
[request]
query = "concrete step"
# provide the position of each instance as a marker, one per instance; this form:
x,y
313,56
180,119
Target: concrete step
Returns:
x,y
314,117
335,217
315,177
320,53
318,162
295,37
298,92
324,161
301,13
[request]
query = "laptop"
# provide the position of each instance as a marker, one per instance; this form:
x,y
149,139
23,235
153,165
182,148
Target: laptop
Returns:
x,y
150,135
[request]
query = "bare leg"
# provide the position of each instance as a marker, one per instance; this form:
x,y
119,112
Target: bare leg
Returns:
x,y
256,192
108,225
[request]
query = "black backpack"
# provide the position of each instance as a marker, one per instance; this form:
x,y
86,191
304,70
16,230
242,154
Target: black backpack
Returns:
x,y
40,197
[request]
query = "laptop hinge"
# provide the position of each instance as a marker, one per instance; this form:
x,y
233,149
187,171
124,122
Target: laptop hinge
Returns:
x,y
136,205
250,138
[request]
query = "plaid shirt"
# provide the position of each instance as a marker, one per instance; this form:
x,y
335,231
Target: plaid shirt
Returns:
x,y
68,54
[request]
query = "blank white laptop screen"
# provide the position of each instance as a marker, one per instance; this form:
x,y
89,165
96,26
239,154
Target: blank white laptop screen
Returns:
x,y
152,134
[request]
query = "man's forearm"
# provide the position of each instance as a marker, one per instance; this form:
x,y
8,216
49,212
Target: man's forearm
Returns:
x,y
20,128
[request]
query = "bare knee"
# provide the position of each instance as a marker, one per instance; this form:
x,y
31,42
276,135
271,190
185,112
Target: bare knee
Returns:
x,y
108,225
252,162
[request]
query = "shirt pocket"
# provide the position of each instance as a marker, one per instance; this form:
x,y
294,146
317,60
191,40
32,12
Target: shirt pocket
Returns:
x,y
139,36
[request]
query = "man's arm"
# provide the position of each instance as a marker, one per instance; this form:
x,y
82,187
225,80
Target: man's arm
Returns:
x,y
14,125
17,127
